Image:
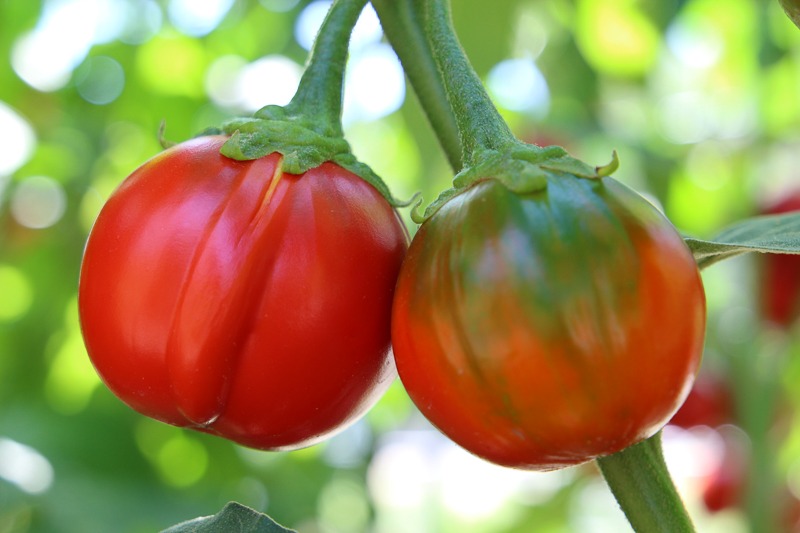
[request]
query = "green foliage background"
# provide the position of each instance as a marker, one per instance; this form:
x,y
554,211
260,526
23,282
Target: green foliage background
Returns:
x,y
701,99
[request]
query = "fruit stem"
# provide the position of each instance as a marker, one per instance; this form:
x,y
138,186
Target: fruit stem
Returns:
x,y
403,26
480,125
319,94
641,483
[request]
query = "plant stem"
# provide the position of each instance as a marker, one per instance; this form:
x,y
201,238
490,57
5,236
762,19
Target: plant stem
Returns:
x,y
319,94
403,26
641,483
480,125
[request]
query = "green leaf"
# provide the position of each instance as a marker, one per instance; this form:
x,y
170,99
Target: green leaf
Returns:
x,y
233,518
779,234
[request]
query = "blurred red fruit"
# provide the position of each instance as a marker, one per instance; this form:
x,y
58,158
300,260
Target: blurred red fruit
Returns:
x,y
710,403
780,274
725,487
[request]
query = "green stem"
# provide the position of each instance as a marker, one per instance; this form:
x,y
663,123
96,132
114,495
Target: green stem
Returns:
x,y
308,131
403,26
319,94
480,125
641,483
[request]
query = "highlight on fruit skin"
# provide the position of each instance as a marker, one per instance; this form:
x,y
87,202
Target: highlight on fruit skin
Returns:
x,y
543,330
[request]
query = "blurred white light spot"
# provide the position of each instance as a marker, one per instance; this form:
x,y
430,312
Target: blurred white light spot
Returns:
x,y
39,62
100,80
143,19
221,79
17,140
692,453
44,57
38,202
694,47
269,80
683,117
198,18
474,489
24,467
374,86
519,85
309,22
411,469
367,30
402,470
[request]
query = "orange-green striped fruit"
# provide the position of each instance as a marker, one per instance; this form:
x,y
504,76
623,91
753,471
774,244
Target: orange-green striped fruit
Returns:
x,y
543,330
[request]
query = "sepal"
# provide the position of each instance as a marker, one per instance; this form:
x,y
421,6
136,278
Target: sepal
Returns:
x,y
303,145
522,168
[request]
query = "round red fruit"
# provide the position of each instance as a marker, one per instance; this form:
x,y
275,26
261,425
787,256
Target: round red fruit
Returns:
x,y
231,298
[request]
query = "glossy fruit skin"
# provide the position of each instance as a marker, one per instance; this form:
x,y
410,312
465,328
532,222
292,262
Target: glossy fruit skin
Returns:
x,y
780,274
544,330
226,297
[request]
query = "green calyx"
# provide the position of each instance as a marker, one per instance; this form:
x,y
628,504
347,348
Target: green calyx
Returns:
x,y
308,131
522,168
299,139
272,129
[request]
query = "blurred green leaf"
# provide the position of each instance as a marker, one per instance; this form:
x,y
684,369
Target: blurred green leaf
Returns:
x,y
768,234
233,518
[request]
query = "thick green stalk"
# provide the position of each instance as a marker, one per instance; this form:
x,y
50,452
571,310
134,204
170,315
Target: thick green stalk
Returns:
x,y
319,94
639,479
480,125
403,26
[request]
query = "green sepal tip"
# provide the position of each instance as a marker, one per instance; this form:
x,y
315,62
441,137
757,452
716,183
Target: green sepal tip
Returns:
x,y
522,168
610,167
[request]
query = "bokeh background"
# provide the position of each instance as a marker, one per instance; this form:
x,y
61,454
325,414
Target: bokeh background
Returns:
x,y
701,98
